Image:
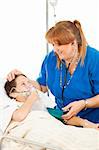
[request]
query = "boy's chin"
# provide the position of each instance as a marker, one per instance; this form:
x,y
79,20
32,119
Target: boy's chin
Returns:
x,y
21,99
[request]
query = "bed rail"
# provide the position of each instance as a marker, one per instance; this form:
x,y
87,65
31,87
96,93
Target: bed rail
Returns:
x,y
24,143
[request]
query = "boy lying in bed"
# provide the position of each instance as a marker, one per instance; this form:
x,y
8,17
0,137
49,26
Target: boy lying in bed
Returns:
x,y
22,90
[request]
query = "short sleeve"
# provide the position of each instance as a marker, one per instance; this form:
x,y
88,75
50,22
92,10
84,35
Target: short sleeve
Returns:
x,y
42,75
94,74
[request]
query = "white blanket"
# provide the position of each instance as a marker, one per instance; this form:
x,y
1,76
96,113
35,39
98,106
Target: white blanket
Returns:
x,y
8,106
40,127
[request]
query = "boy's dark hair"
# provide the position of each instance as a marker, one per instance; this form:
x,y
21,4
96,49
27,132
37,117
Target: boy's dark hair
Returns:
x,y
11,84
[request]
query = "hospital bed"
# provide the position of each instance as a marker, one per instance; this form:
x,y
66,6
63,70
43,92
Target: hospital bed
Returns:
x,y
41,131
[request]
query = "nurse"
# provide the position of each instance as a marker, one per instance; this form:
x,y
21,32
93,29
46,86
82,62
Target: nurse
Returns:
x,y
71,72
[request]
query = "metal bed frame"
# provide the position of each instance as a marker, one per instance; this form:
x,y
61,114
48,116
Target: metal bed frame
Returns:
x,y
27,143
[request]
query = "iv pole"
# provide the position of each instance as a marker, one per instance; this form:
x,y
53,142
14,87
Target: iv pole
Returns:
x,y
53,3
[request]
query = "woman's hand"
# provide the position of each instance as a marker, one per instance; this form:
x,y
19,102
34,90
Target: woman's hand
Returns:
x,y
73,109
12,74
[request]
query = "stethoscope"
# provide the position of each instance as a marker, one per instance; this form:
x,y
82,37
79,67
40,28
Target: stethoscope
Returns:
x,y
65,78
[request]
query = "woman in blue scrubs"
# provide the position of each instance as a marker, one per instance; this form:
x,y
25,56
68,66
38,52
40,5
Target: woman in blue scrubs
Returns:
x,y
71,72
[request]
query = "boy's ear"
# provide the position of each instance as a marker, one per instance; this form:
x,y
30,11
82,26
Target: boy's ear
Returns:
x,y
18,97
13,94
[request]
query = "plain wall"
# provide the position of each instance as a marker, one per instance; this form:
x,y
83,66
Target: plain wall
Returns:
x,y
23,27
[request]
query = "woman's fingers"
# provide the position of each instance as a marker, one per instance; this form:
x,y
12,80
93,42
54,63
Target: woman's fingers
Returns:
x,y
68,111
12,74
10,77
74,108
67,108
69,115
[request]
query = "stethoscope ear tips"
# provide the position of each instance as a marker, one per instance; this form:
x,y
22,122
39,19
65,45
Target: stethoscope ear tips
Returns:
x,y
63,61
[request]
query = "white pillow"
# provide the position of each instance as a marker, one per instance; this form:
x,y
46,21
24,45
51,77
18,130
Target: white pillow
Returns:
x,y
4,99
7,107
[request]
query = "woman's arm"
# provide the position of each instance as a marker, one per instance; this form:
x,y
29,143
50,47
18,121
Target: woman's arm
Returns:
x,y
21,113
39,87
92,102
76,106
11,76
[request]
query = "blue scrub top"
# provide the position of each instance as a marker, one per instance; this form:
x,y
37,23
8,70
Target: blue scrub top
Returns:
x,y
83,84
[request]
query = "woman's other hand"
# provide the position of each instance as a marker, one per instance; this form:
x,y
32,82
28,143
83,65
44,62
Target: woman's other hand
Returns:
x,y
11,75
73,109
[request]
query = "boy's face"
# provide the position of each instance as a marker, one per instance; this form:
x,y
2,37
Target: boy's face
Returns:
x,y
23,84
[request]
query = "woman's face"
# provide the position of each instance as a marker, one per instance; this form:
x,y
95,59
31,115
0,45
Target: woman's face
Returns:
x,y
64,52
